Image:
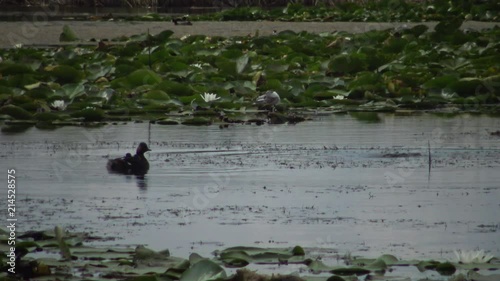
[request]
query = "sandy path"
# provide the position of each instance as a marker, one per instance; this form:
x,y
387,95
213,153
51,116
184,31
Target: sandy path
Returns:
x,y
47,32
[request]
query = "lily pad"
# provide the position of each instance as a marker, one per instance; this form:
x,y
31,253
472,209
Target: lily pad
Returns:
x,y
65,73
197,121
90,114
204,270
67,35
156,95
15,112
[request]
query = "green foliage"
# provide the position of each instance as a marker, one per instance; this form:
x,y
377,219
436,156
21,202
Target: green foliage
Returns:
x,y
65,74
67,35
371,71
369,11
89,114
156,95
15,112
197,121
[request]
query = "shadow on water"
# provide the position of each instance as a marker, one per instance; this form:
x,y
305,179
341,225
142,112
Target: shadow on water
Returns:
x,y
142,182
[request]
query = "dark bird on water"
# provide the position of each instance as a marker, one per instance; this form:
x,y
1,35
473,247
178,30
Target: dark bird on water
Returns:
x,y
181,21
131,165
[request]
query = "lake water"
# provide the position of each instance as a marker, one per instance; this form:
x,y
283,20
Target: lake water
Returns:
x,y
328,185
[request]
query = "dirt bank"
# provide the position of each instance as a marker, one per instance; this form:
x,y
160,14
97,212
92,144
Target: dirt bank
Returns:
x,y
47,32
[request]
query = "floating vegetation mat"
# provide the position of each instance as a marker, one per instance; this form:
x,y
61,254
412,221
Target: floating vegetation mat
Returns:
x,y
61,255
161,78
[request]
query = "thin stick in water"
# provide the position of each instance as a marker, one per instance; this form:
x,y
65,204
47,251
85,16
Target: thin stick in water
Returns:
x,y
430,155
149,133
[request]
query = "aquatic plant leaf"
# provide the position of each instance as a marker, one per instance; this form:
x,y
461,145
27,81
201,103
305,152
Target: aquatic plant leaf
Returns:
x,y
418,30
241,256
241,63
143,253
16,128
236,258
197,121
173,88
67,35
226,66
15,112
164,36
156,95
317,266
65,251
46,116
446,268
71,91
440,82
377,265
137,78
9,68
65,73
347,63
446,27
427,265
148,277
472,275
96,71
368,117
89,114
348,271
367,81
204,270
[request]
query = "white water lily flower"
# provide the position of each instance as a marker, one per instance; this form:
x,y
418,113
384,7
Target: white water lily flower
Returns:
x,y
59,105
197,65
18,46
339,97
472,256
209,97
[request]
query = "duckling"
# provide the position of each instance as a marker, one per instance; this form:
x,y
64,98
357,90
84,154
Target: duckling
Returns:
x,y
131,165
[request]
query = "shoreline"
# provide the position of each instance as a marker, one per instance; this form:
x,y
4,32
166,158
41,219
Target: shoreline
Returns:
x,y
47,32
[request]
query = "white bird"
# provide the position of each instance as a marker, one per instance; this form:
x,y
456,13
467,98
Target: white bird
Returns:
x,y
269,98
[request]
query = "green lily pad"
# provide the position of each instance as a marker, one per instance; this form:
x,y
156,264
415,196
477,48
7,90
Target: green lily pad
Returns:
x,y
8,68
348,271
197,121
204,270
369,117
67,35
167,122
446,269
137,78
173,88
90,114
21,128
317,266
15,112
46,116
156,95
65,73
241,63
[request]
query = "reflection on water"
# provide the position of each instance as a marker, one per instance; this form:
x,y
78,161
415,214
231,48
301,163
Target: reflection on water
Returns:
x,y
324,183
142,182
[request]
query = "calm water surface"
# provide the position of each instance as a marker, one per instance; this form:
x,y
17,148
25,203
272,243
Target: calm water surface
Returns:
x,y
323,184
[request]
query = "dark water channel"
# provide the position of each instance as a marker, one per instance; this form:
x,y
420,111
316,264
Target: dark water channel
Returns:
x,y
333,183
